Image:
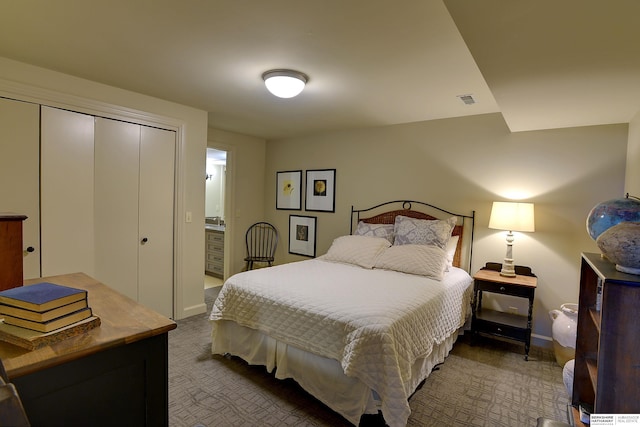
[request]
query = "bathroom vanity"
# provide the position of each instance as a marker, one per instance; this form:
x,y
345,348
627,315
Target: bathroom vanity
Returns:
x,y
214,248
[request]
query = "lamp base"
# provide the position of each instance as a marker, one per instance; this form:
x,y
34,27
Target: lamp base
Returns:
x,y
508,269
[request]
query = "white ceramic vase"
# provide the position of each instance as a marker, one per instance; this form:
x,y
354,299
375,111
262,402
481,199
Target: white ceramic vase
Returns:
x,y
564,331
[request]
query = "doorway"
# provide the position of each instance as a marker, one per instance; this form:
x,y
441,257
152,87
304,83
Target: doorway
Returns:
x,y
215,223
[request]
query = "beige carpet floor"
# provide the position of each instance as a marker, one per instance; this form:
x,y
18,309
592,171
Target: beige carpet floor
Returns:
x,y
488,384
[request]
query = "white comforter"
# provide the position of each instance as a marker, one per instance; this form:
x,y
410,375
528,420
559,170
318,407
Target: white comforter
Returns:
x,y
375,322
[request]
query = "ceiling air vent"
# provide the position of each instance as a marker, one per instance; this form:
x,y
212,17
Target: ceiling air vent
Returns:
x,y
467,99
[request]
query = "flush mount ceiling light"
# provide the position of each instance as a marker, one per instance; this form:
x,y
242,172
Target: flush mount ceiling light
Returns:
x,y
285,83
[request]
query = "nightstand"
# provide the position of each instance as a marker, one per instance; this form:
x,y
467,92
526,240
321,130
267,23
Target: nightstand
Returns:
x,y
496,323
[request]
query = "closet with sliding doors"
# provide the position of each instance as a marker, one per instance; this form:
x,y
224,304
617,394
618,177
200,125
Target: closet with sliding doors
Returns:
x,y
101,202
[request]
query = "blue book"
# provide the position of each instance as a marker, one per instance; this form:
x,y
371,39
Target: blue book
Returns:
x,y
41,296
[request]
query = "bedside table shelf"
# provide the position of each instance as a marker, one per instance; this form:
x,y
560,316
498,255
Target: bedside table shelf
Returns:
x,y
497,323
502,324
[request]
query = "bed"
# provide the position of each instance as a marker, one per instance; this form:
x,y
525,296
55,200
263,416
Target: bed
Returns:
x,y
361,326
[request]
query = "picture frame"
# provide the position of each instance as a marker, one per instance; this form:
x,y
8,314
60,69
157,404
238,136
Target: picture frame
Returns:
x,y
320,190
289,190
302,235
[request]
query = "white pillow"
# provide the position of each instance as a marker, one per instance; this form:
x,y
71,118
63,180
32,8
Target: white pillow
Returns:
x,y
358,250
429,261
375,230
451,249
412,231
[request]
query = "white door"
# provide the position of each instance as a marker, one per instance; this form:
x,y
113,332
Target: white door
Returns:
x,y
66,179
20,174
117,162
134,184
156,207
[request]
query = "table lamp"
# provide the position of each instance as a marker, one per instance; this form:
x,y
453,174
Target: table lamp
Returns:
x,y
511,216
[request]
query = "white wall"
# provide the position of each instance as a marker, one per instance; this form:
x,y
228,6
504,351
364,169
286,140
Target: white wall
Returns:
x,y
463,164
22,81
245,204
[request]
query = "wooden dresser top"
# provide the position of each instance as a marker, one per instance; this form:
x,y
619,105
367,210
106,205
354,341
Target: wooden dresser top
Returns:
x,y
123,321
494,276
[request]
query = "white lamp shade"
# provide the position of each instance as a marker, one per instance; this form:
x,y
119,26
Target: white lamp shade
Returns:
x,y
284,83
512,216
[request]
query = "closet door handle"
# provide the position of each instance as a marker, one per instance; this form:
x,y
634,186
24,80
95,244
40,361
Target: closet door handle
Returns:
x,y
144,240
31,249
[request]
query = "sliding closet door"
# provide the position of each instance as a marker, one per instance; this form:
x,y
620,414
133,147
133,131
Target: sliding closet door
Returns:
x,y
66,192
20,174
155,272
116,204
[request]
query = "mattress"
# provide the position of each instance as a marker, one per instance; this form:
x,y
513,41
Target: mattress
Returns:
x,y
379,327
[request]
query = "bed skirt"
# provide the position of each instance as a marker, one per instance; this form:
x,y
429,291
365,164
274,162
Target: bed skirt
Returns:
x,y
322,377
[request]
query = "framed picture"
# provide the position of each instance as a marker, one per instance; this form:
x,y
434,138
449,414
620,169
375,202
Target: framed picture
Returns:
x,y
289,190
321,190
302,235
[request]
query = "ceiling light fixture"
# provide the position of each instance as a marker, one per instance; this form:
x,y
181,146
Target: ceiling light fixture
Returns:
x,y
285,83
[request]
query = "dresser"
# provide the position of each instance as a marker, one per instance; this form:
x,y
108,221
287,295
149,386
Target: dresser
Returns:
x,y
115,374
214,250
11,250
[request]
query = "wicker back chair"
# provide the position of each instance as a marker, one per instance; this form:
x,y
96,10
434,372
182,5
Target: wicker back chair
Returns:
x,y
262,240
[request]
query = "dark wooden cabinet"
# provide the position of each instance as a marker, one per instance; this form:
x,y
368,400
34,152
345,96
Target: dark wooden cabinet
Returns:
x,y
112,375
11,250
506,325
607,364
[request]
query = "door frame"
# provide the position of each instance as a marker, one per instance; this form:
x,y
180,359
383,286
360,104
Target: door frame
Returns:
x,y
229,204
52,98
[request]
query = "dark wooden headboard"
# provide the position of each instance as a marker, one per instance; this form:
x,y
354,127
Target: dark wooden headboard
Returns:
x,y
407,209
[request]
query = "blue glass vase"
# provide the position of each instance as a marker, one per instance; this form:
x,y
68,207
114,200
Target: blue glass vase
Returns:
x,y
612,212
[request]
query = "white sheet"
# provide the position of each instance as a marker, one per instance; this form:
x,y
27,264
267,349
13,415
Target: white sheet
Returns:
x,y
320,376
376,323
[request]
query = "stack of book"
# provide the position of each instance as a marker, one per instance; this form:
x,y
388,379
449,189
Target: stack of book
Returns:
x,y
42,313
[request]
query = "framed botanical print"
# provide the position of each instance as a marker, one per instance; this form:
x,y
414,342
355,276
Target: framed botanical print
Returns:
x,y
321,190
289,190
302,235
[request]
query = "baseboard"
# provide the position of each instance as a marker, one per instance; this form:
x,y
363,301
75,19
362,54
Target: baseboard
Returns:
x,y
542,341
192,311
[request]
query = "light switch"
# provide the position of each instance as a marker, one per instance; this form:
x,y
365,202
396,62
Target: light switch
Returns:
x,y
187,217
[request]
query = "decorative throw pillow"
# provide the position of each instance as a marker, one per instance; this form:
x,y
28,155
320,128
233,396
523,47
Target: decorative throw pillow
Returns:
x,y
358,250
429,261
412,231
451,249
375,230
